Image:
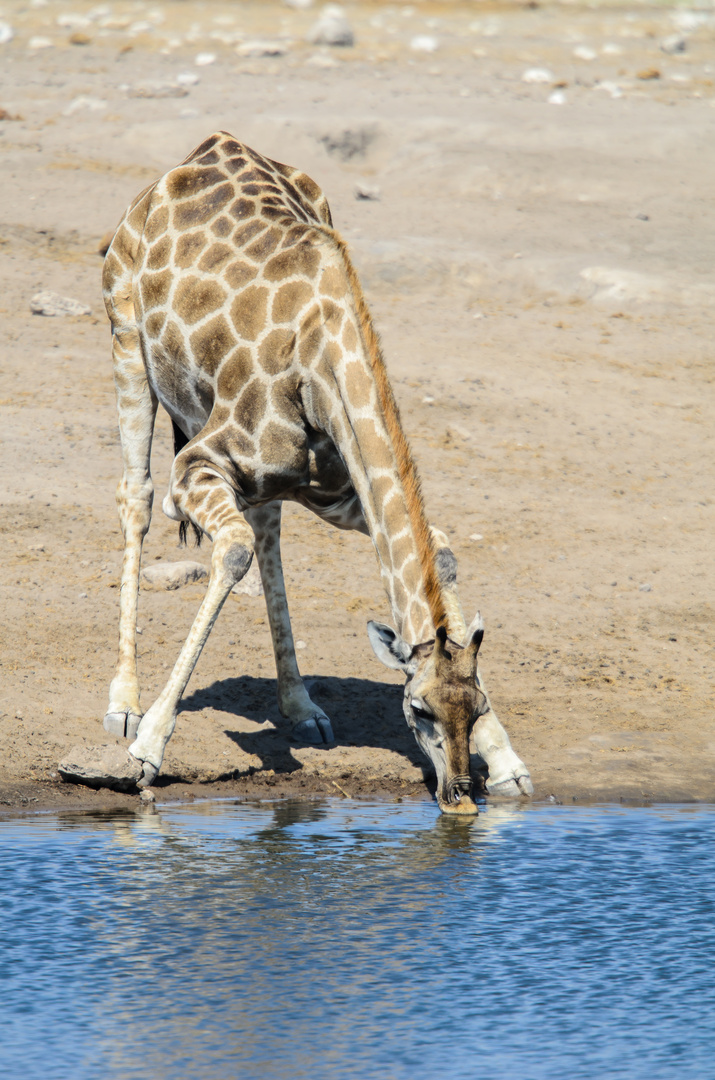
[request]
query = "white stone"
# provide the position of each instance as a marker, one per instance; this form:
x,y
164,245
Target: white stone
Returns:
x,y
6,33
424,43
156,90
205,58
174,575
584,52
91,104
367,192
72,21
537,75
558,97
675,43
332,28
187,78
262,48
299,5
39,43
611,88
250,584
51,303
476,536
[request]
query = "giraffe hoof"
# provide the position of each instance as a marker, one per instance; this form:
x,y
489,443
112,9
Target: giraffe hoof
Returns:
x,y
124,724
316,731
512,786
148,772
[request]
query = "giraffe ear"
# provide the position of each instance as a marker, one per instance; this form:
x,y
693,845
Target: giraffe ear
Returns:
x,y
474,635
389,648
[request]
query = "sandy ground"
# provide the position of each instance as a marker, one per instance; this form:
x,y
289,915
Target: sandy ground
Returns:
x,y
539,264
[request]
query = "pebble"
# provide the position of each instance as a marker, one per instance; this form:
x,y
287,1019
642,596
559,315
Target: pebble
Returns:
x,y
322,60
367,192
250,584
156,90
175,575
645,588
187,78
424,43
6,33
647,74
583,52
332,28
205,58
558,97
146,795
476,536
537,75
39,43
301,645
611,88
79,103
51,303
262,48
674,44
298,5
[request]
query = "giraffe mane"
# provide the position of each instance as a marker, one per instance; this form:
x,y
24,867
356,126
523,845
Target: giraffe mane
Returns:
x,y
406,468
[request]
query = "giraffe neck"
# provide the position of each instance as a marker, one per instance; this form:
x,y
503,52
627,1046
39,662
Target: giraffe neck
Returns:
x,y
384,474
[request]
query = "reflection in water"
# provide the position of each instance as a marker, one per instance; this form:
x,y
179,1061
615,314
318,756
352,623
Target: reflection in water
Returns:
x,y
342,939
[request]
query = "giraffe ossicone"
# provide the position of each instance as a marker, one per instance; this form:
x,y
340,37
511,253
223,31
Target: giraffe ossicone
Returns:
x,y
235,306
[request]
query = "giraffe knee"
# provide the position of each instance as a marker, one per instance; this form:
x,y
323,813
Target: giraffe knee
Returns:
x,y
232,552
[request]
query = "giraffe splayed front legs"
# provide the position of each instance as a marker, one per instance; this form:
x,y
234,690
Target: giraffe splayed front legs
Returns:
x,y
235,306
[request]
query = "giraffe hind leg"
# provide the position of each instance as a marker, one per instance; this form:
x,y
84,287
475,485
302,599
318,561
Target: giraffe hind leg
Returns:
x,y
136,407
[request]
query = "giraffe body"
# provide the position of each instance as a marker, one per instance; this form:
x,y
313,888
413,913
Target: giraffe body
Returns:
x,y
235,306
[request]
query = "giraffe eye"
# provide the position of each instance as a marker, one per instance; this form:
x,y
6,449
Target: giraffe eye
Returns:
x,y
421,712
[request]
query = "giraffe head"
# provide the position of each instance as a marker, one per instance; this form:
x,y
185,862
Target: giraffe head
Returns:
x,y
442,703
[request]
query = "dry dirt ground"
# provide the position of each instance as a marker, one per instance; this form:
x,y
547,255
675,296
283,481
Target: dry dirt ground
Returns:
x,y
539,264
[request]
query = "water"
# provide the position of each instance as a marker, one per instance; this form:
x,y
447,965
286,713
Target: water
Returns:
x,y
317,940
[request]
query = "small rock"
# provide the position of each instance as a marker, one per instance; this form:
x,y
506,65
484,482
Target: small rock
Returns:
x,y
322,60
428,400
332,28
157,90
648,74
187,78
92,104
6,33
368,192
80,38
51,303
557,97
261,48
39,43
205,58
146,795
537,75
107,766
645,588
72,21
250,584
611,88
642,217
424,43
301,645
175,575
299,5
476,536
18,715
583,52
673,44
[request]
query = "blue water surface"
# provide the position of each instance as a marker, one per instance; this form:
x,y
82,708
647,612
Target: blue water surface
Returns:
x,y
313,940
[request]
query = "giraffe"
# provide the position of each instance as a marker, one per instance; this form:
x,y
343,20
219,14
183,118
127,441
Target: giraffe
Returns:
x,y
234,304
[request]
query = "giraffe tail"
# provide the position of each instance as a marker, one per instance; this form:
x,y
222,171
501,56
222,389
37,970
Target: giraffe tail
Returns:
x,y
180,441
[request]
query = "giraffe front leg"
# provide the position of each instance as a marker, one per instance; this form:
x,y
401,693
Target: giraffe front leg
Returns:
x,y
507,773
198,493
309,723
136,408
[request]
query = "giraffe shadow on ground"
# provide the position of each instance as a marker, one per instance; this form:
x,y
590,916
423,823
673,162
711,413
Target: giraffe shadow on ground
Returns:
x,y
364,714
